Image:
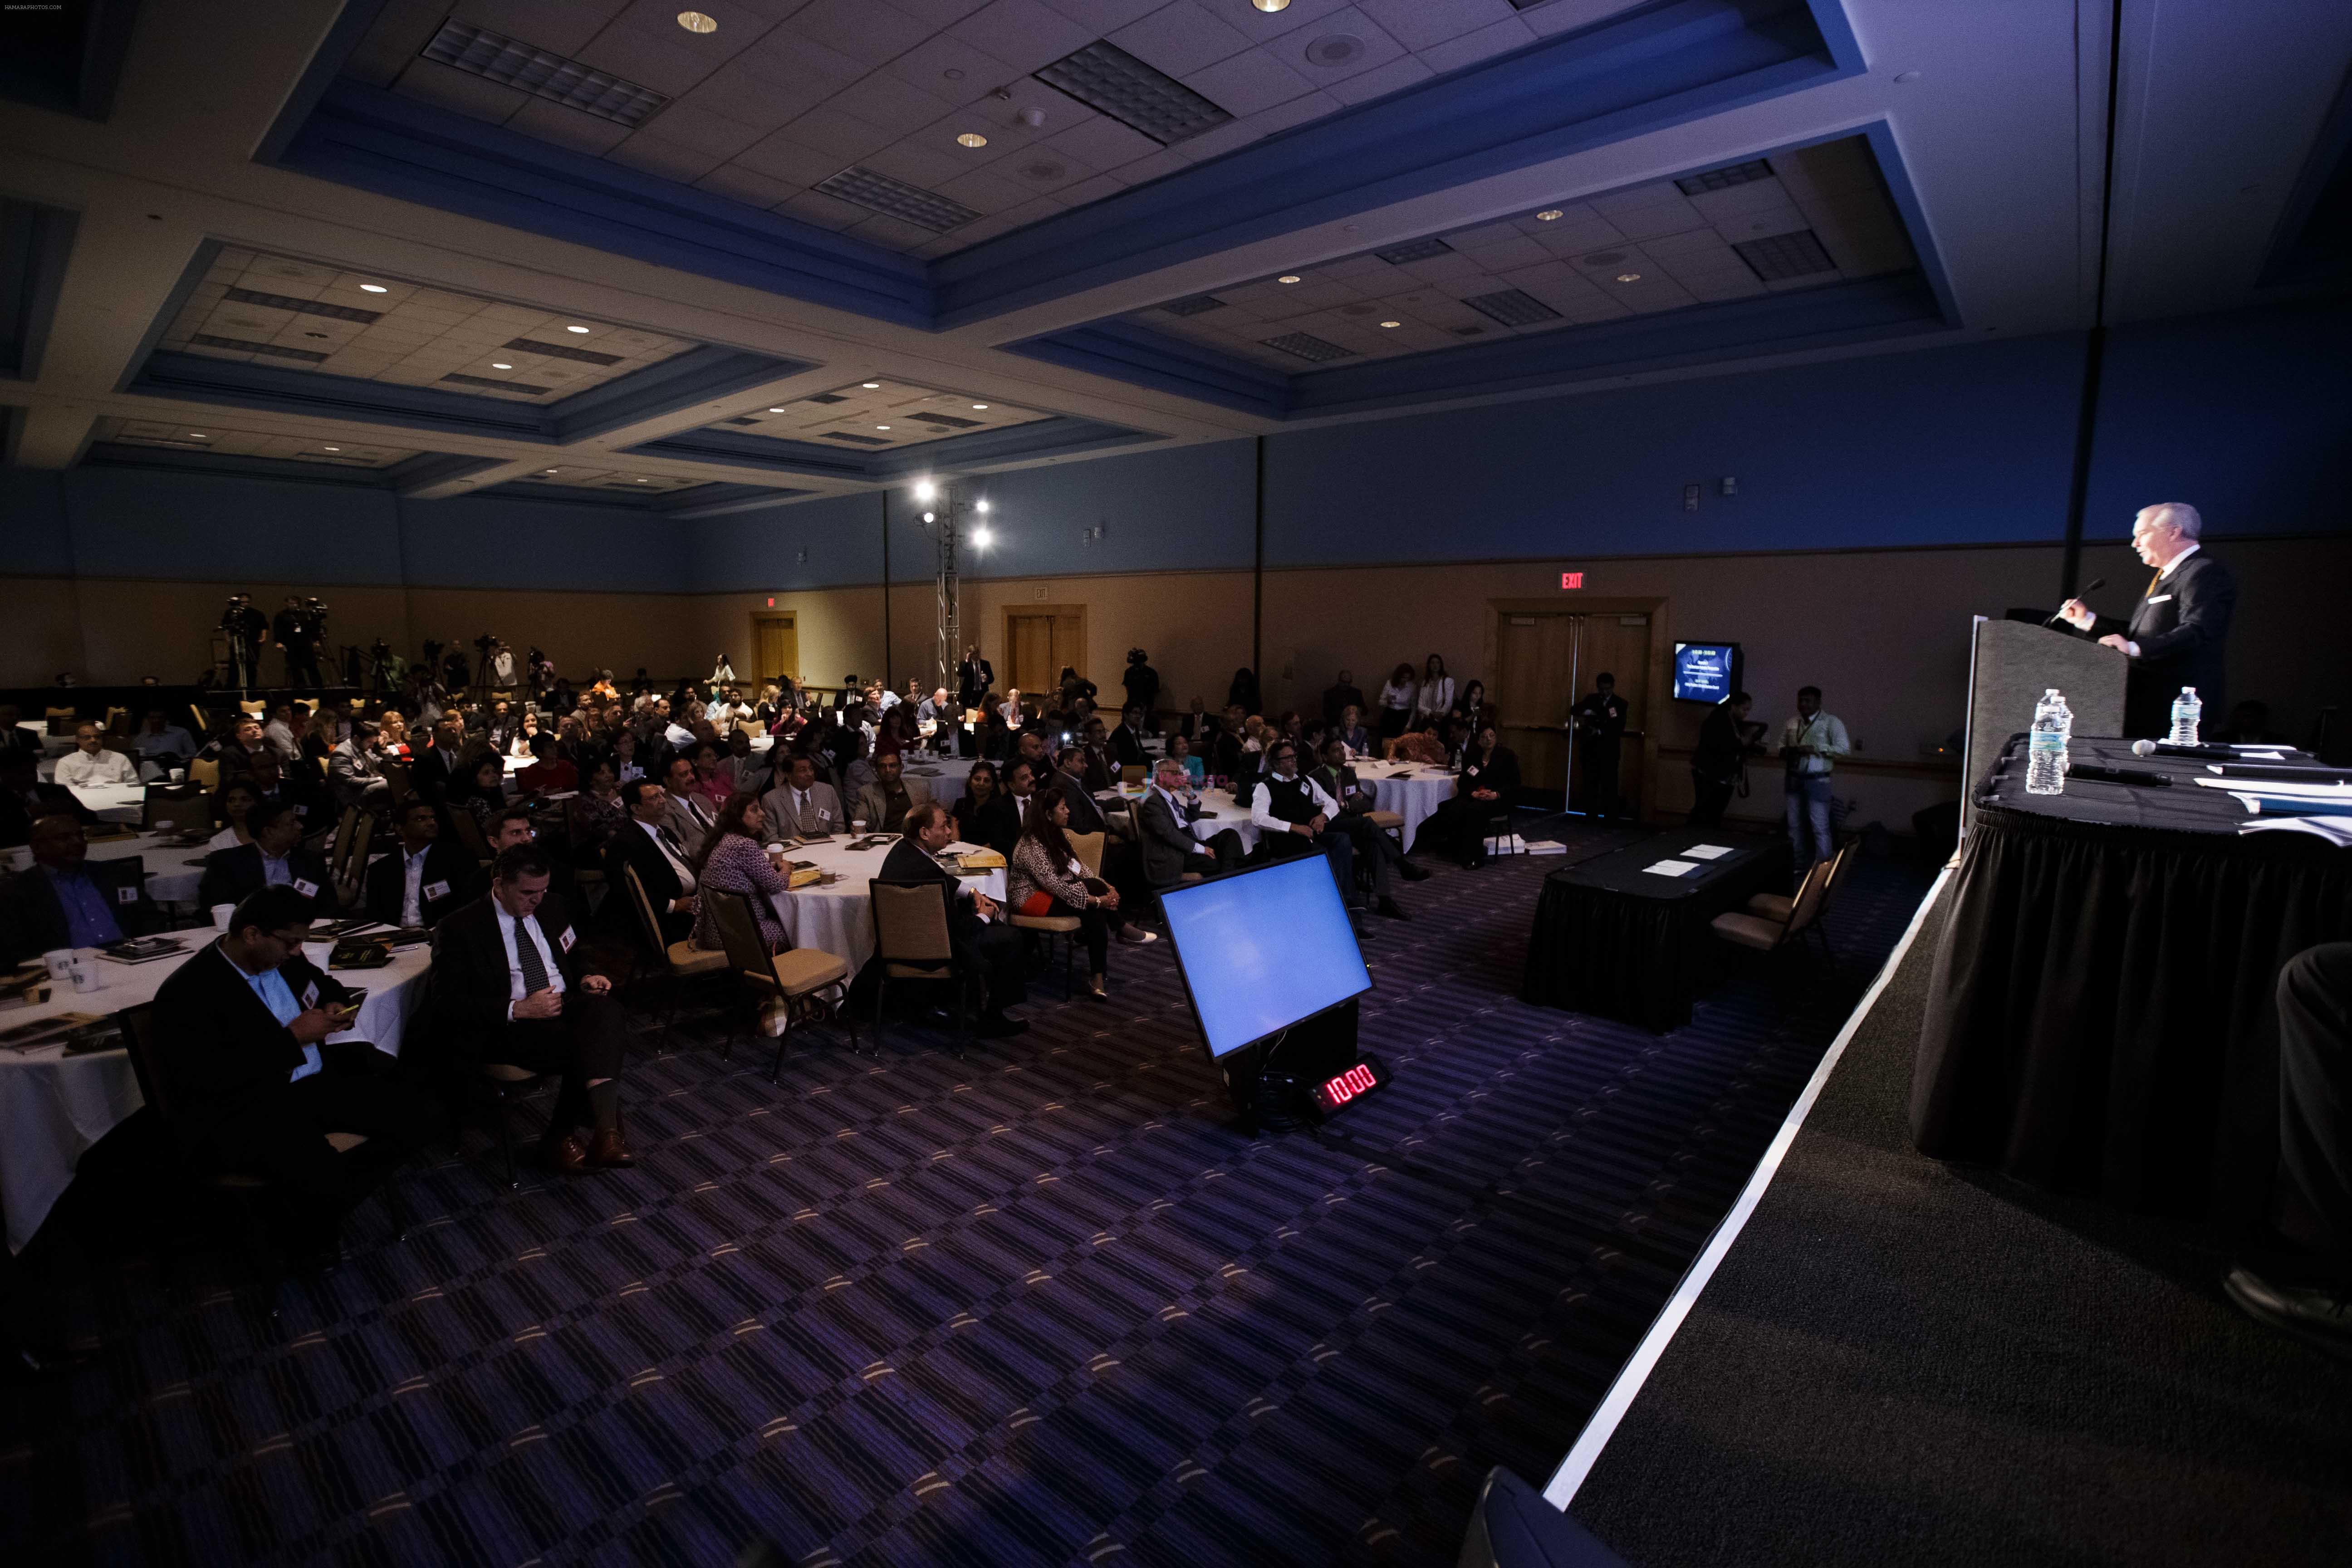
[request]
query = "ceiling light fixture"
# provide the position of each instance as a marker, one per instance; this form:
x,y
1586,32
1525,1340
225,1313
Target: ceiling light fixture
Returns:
x,y
931,516
1271,6
641,482
971,139
777,410
696,22
575,329
871,386
881,426
980,506
982,539
331,448
550,470
1392,323
1288,278
374,288
980,406
198,436
1628,278
1550,214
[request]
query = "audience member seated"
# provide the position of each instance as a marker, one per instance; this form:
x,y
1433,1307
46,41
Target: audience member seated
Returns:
x,y
1127,741
511,984
1180,750
987,950
1481,805
424,879
734,859
506,827
1471,709
280,734
1352,732
479,789
803,805
592,817
89,764
985,814
1025,784
392,738
1085,815
255,1085
273,859
302,789
235,751
23,797
1293,817
648,845
1165,816
1373,845
1046,877
233,808
707,783
68,899
12,737
162,742
1422,743
438,766
551,773
690,814
353,775
883,805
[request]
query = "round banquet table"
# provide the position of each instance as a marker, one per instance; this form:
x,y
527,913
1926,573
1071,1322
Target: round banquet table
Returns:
x,y
2101,1013
172,871
839,919
53,1106
1414,790
112,803
946,778
1230,813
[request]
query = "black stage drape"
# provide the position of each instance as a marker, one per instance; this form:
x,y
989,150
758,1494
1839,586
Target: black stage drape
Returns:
x,y
2100,1015
1614,940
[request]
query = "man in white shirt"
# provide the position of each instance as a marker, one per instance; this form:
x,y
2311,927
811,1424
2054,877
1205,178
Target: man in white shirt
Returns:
x,y
89,763
1293,816
1810,743
802,806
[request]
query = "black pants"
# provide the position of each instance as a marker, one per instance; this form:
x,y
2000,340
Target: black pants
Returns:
x,y
993,953
585,1041
1710,799
1599,761
2315,1002
1373,848
302,668
1095,929
1463,825
282,1136
1335,845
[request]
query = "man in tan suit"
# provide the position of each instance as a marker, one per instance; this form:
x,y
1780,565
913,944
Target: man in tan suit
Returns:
x,y
802,806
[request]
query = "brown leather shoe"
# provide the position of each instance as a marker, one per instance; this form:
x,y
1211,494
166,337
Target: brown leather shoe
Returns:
x,y
606,1152
564,1154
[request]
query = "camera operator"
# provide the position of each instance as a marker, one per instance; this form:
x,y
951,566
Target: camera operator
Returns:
x,y
243,626
1142,683
297,634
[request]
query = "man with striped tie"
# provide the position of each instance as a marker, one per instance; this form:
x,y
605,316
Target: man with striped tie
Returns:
x,y
2177,632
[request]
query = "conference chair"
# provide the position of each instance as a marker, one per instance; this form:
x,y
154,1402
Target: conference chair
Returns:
x,y
1762,934
350,873
773,982
1130,775
395,775
1779,906
204,774
174,808
234,1190
1089,847
912,941
252,709
469,834
682,961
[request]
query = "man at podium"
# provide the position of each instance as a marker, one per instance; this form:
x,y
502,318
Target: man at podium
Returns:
x,y
2176,634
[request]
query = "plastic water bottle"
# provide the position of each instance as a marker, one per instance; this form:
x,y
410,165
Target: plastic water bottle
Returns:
x,y
2046,757
2185,711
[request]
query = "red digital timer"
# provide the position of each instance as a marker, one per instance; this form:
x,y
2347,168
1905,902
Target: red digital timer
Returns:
x,y
1357,1081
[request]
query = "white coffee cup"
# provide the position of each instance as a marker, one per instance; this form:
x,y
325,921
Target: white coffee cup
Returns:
x,y
87,974
857,825
20,858
59,961
179,775
221,913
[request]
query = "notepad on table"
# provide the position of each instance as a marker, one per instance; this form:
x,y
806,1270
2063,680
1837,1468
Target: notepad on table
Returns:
x,y
1708,851
1672,868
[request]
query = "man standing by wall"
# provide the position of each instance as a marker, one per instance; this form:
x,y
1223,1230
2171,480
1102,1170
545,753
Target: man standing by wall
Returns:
x,y
1810,743
1600,722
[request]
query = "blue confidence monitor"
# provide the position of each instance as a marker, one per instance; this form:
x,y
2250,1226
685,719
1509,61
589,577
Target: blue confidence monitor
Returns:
x,y
1706,671
1264,949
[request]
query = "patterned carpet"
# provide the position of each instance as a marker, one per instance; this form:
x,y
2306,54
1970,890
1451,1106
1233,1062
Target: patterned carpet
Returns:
x,y
1042,1306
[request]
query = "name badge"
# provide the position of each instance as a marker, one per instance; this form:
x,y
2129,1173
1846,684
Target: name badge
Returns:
x,y
565,941
311,994
126,895
301,810
305,887
437,889
2160,598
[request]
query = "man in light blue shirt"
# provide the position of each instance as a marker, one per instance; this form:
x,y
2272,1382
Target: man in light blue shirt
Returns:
x,y
1810,743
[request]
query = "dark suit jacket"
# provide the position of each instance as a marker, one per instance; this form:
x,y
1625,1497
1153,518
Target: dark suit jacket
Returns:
x,y
230,874
470,987
1498,772
994,822
2181,625
17,815
32,921
385,885
217,1048
1126,747
431,772
630,848
1169,849
907,862
1085,817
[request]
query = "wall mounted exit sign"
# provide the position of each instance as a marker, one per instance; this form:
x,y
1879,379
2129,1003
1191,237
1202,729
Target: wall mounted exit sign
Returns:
x,y
1571,580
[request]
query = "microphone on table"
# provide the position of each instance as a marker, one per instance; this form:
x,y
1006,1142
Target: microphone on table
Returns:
x,y
2093,586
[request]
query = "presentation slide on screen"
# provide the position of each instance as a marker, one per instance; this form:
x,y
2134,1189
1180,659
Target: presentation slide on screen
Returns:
x,y
1703,670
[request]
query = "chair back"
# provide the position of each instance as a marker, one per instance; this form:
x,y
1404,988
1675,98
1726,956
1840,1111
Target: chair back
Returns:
x,y
397,776
648,923
204,774
354,870
117,723
62,721
910,922
138,1044
1841,866
1808,902
738,933
469,834
252,709
1088,848
174,808
338,851
1131,774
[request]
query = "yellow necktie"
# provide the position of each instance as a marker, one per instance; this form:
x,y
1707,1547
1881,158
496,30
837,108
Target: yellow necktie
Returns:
x,y
2154,578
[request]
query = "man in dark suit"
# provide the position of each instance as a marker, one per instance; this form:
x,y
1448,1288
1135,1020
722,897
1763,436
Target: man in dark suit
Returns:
x,y
2178,632
275,858
68,899
1482,797
253,1085
1085,817
296,784
511,983
23,797
507,827
436,764
1165,817
424,879
985,946
1357,800
645,845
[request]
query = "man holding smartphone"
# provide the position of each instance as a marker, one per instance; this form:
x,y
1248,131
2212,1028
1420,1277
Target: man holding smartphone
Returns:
x,y
253,1085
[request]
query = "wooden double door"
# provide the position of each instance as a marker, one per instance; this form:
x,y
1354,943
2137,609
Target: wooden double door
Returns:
x,y
1545,662
1039,641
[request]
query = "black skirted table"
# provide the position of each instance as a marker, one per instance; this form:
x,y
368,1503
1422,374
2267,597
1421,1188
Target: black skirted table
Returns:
x,y
1612,938
2100,1014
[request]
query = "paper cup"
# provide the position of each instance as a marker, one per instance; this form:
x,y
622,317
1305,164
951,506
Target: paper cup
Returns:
x,y
221,913
858,825
87,975
20,858
179,775
59,961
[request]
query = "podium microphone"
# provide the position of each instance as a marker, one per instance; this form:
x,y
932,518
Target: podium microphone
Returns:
x,y
2093,586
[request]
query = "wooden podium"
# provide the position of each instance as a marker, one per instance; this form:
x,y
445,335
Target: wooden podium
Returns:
x,y
2011,664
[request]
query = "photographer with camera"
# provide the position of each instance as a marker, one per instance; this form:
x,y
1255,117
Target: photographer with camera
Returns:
x,y
244,627
1142,683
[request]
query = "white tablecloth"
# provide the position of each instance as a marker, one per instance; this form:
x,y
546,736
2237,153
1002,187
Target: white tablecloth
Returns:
x,y
1415,797
171,880
839,919
947,779
1230,813
52,746
53,1106
113,803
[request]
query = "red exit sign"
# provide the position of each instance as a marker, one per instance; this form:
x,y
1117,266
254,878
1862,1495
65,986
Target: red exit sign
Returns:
x,y
1571,579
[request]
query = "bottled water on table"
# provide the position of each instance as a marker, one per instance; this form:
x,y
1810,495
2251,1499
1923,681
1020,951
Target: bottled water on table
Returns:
x,y
2046,757
2185,711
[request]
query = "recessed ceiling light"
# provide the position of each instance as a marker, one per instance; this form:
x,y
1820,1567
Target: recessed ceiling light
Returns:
x,y
575,329
198,436
1628,278
1271,6
971,139
871,386
881,426
550,470
332,448
1288,278
1550,214
374,288
1392,323
777,410
696,22
980,406
641,482
500,365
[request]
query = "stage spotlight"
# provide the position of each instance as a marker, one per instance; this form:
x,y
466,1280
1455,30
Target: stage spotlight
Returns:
x,y
980,506
982,539
925,490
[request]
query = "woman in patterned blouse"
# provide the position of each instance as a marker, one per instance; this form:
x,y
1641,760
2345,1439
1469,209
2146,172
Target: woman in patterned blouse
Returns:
x,y
732,860
1046,877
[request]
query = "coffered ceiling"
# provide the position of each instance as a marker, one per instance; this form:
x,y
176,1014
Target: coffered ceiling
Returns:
x,y
700,270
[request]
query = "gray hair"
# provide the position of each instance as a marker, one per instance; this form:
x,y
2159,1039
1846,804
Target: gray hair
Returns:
x,y
2178,514
1169,766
